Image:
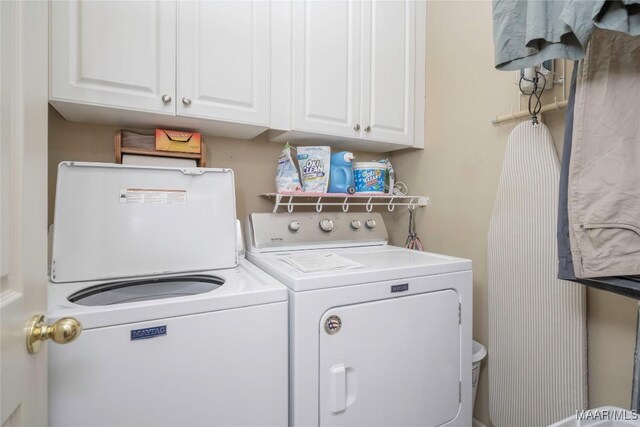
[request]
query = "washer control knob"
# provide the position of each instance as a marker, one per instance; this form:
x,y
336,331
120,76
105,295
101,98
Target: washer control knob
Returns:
x,y
294,225
370,223
356,224
326,224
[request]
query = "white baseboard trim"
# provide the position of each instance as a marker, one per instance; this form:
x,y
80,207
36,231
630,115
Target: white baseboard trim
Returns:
x,y
477,423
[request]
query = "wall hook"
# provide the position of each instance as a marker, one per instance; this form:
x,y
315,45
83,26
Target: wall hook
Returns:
x,y
391,206
345,205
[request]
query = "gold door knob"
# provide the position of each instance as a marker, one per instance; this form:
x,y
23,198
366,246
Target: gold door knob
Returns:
x,y
63,331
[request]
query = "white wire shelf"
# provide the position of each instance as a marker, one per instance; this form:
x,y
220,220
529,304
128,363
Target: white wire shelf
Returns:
x,y
289,201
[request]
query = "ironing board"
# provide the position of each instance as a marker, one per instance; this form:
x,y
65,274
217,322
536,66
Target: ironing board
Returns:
x,y
537,323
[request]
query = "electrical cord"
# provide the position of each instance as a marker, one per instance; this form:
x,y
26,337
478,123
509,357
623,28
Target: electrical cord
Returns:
x,y
400,189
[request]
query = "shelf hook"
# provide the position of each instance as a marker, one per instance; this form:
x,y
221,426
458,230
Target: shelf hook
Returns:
x,y
319,205
345,205
391,206
276,202
290,205
412,204
369,206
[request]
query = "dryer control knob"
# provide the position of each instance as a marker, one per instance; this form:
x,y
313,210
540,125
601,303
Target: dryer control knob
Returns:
x,y
294,225
370,223
326,224
356,224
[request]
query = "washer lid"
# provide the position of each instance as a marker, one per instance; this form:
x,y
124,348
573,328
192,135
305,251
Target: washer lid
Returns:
x,y
116,221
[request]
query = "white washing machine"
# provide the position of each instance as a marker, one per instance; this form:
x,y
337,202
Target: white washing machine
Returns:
x,y
176,330
379,335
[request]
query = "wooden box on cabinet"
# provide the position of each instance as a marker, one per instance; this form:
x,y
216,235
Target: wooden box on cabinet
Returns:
x,y
128,142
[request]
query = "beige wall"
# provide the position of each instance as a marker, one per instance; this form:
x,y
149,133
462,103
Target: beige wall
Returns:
x,y
253,162
460,167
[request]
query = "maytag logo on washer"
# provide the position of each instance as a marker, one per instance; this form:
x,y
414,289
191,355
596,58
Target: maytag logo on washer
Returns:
x,y
400,288
142,334
332,325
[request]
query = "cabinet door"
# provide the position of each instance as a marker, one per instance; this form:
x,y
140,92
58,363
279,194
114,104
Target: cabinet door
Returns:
x,y
389,70
111,53
394,362
326,67
224,60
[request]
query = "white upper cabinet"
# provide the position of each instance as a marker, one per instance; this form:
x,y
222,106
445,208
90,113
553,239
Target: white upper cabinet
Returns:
x,y
358,74
223,60
344,72
326,66
203,65
388,70
119,54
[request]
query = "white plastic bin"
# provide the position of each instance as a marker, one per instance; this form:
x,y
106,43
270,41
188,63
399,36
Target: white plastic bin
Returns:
x,y
479,353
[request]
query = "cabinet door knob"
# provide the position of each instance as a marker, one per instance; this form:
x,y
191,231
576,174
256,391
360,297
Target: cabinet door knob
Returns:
x,y
356,127
166,99
367,129
186,100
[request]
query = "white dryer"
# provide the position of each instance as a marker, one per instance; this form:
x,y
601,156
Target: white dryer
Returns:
x,y
379,335
177,331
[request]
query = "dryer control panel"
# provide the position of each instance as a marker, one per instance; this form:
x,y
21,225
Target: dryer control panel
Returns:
x,y
283,231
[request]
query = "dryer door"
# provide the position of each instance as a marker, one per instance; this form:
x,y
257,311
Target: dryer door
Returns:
x,y
391,362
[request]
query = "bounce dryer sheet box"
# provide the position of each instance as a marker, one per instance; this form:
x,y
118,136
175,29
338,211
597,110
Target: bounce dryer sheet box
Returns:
x,y
177,140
